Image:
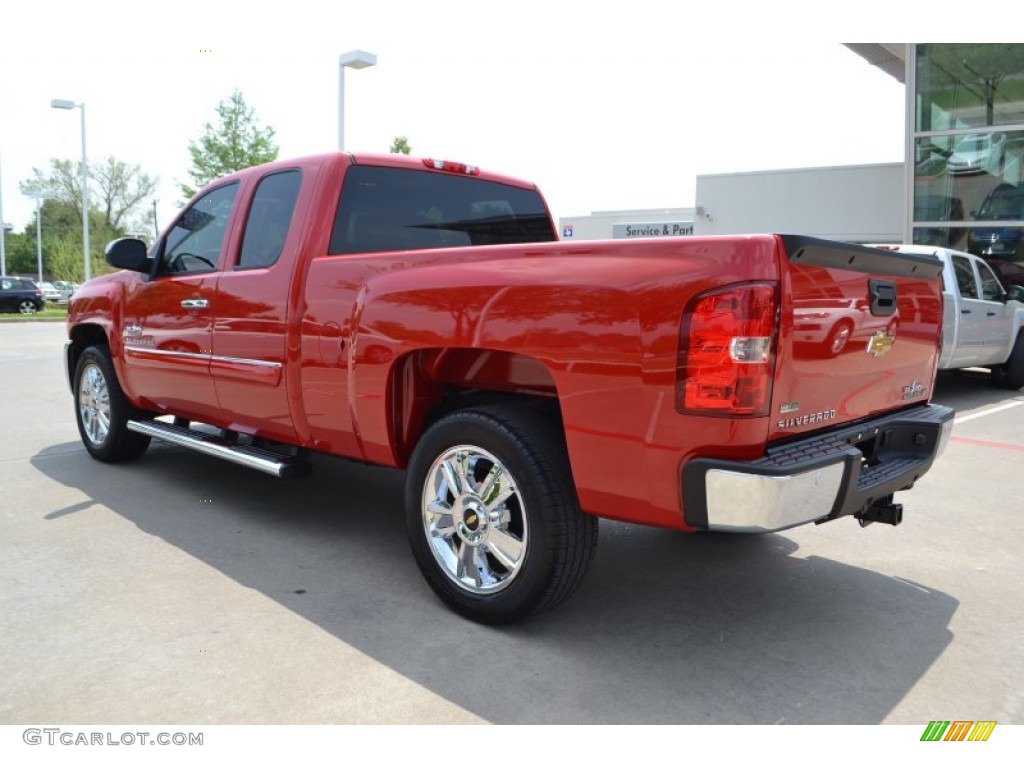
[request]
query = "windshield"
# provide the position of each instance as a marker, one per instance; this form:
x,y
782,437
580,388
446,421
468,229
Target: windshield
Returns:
x,y
1008,204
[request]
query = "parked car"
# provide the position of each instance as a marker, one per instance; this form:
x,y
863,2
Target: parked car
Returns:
x,y
982,323
978,153
50,292
422,314
20,295
67,290
1001,246
828,325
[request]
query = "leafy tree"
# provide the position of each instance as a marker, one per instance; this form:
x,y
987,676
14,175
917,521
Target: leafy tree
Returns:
x,y
123,191
118,188
21,254
400,146
235,143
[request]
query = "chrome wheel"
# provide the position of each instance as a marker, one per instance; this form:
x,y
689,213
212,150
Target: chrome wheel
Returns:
x,y
27,307
474,519
838,339
94,404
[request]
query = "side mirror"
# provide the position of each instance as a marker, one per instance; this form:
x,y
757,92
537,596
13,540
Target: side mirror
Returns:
x,y
1015,293
128,253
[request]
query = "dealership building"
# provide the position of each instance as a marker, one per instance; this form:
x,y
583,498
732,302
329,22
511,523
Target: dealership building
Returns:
x,y
961,186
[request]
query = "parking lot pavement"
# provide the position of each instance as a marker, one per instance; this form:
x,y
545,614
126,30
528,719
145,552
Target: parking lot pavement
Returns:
x,y
178,589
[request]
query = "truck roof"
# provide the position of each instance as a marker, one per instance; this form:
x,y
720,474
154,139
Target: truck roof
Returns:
x,y
392,160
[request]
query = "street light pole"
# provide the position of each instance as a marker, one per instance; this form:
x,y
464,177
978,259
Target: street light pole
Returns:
x,y
356,60
3,233
65,104
39,236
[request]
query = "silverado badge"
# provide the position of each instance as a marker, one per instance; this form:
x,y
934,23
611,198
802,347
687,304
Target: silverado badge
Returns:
x,y
880,343
912,390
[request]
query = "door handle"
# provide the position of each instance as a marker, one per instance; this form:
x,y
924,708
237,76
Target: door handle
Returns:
x,y
962,311
991,314
195,304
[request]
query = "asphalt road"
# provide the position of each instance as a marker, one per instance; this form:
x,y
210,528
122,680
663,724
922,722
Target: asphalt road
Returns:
x,y
181,589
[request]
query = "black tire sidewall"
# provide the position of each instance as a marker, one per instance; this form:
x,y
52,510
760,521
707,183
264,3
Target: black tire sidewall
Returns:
x,y
542,492
119,443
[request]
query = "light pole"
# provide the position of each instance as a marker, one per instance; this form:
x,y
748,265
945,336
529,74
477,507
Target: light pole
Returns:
x,y
65,104
39,197
3,233
356,60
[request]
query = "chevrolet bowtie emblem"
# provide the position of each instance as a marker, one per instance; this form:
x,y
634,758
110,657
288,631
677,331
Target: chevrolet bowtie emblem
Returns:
x,y
880,343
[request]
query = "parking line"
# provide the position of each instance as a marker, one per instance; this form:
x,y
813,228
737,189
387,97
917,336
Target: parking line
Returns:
x,y
987,443
989,412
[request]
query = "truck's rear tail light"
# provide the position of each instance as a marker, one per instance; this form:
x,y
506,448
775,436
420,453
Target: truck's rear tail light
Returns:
x,y
448,165
726,351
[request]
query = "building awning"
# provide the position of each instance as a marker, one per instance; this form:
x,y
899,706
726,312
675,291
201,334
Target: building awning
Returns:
x,y
891,58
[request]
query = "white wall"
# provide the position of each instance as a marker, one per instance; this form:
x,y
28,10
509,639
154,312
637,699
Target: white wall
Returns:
x,y
859,203
600,225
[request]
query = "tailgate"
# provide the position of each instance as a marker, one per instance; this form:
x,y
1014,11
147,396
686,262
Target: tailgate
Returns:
x,y
859,333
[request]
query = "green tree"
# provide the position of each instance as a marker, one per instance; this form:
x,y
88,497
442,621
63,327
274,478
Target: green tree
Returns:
x,y
400,146
120,190
236,142
21,254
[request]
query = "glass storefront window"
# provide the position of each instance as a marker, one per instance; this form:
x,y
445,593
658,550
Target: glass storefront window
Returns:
x,y
969,85
969,195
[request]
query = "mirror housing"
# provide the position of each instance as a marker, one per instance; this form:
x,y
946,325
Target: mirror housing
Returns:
x,y
128,253
1015,293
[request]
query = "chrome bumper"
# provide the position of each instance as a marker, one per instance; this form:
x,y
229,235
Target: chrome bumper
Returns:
x,y
840,473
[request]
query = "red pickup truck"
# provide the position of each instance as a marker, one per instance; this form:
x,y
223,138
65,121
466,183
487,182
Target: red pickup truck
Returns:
x,y
421,314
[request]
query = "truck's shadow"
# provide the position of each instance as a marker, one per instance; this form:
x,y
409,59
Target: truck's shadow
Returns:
x,y
970,388
667,628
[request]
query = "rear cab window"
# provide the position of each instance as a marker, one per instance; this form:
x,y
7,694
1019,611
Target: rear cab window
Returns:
x,y
397,209
269,219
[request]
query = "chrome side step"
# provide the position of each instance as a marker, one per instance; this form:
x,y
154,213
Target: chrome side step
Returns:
x,y
276,464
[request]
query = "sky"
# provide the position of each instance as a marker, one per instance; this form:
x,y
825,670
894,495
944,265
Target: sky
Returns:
x,y
605,105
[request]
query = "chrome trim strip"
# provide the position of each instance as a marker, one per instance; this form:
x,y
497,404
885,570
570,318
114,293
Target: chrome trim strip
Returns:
x,y
238,455
245,361
200,356
760,504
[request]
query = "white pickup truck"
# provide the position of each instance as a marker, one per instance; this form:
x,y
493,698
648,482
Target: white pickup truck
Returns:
x,y
982,322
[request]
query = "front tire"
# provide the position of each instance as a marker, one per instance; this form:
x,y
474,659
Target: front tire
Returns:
x,y
492,515
102,410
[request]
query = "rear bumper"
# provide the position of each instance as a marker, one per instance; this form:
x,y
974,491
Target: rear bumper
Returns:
x,y
842,472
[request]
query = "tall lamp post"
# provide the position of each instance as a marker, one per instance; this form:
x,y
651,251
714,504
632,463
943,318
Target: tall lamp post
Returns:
x,y
3,233
39,197
356,60
65,104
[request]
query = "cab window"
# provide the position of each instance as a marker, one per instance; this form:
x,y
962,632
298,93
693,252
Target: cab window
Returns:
x,y
194,243
965,277
991,290
270,218
399,209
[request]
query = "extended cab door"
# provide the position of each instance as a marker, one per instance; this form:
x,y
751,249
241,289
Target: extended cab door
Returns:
x,y
167,327
998,330
971,340
250,328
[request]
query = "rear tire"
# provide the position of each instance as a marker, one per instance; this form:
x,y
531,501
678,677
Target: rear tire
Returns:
x,y
492,515
1010,375
102,410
